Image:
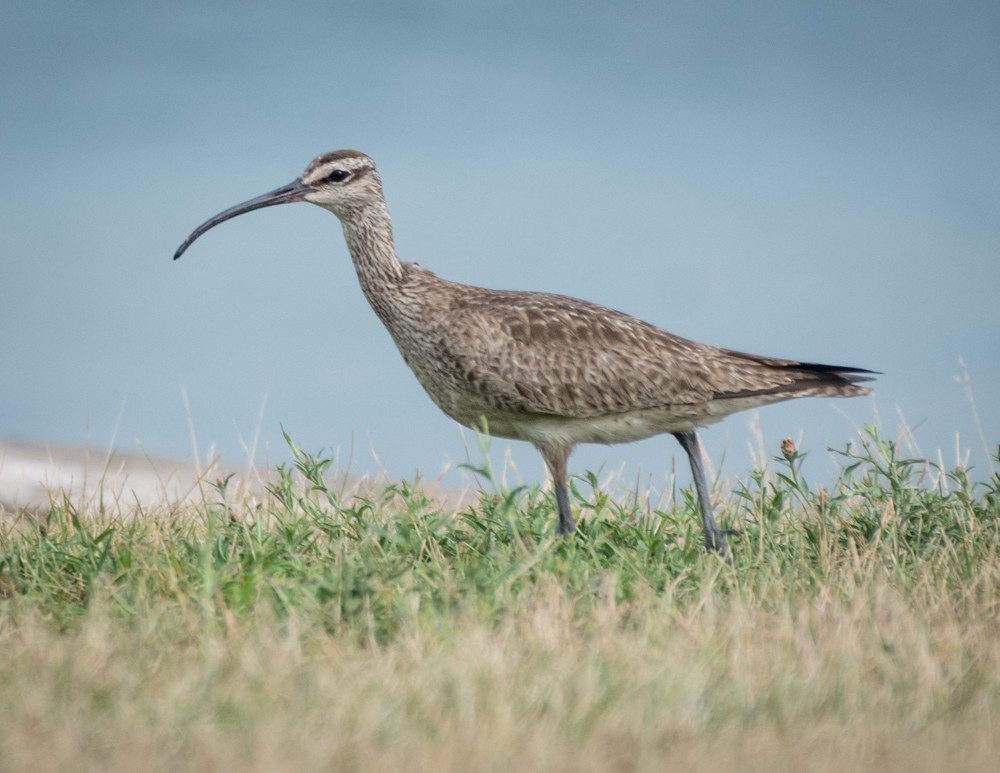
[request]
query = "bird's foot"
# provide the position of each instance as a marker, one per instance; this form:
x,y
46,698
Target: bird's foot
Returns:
x,y
715,542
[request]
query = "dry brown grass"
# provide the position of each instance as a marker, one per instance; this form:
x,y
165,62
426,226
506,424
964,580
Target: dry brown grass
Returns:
x,y
858,675
439,641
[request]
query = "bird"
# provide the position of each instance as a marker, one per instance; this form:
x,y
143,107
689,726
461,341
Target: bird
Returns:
x,y
548,369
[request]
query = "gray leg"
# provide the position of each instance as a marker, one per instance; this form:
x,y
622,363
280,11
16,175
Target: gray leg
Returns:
x,y
714,541
566,525
555,459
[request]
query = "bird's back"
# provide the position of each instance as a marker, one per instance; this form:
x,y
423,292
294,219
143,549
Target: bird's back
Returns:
x,y
503,354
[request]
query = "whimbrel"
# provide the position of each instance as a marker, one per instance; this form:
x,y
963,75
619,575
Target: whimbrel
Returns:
x,y
549,369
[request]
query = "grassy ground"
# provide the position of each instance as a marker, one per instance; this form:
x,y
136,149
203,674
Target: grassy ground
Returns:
x,y
857,629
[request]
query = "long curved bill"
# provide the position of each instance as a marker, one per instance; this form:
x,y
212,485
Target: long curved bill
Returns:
x,y
294,191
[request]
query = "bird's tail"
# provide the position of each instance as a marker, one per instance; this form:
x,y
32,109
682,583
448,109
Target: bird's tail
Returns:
x,y
790,378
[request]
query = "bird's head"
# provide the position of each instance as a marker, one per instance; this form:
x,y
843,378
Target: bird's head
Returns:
x,y
343,181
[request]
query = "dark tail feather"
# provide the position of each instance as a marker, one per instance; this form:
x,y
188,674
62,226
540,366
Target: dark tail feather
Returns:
x,y
814,379
840,372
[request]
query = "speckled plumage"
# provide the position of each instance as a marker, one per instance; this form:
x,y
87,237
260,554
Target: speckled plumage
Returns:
x,y
549,369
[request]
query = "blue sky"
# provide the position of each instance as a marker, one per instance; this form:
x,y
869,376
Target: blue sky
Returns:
x,y
816,181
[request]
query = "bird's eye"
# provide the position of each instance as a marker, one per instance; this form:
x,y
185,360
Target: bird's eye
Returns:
x,y
338,175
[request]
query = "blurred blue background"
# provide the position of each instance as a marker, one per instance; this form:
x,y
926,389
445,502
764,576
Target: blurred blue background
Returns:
x,y
807,180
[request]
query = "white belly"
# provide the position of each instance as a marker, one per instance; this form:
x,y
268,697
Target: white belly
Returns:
x,y
617,428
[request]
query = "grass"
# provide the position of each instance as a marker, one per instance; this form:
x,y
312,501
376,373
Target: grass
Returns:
x,y
310,629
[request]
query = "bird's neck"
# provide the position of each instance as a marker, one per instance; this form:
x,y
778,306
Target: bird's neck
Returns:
x,y
368,232
381,274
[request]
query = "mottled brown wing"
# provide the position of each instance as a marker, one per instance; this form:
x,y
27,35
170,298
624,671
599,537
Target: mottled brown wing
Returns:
x,y
542,353
551,354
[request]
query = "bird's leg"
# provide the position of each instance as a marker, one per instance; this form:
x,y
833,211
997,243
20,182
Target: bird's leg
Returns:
x,y
566,524
714,540
555,459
